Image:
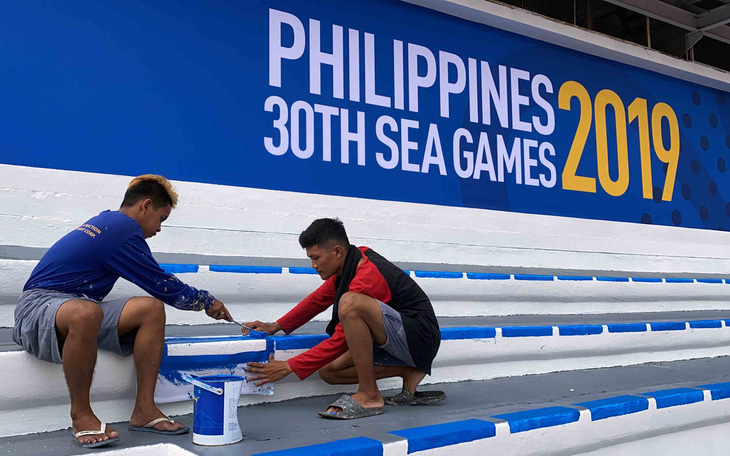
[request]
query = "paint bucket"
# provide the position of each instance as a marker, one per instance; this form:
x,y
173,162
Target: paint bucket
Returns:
x,y
215,410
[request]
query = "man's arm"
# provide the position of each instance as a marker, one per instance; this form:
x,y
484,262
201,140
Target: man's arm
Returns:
x,y
133,261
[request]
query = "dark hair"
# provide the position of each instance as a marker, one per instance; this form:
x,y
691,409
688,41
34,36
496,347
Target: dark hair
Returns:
x,y
155,188
323,231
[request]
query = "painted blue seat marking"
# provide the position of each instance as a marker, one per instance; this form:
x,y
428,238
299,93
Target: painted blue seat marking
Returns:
x,y
439,274
536,277
441,435
362,446
679,280
612,279
302,271
174,268
527,331
709,280
626,327
246,269
579,330
539,418
718,390
468,332
676,396
298,341
647,279
699,324
668,326
575,278
615,406
487,276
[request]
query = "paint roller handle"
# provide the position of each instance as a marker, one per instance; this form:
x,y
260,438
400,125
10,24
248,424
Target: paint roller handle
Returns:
x,y
205,386
252,332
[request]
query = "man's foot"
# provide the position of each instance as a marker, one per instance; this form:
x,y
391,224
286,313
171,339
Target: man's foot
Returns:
x,y
141,417
91,423
412,379
365,402
346,408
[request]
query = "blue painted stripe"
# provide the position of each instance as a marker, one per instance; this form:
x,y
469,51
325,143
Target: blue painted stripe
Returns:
x,y
539,418
709,280
718,390
612,279
699,324
441,435
647,279
626,327
362,446
440,274
615,406
468,332
195,340
298,341
487,276
668,326
536,277
674,397
302,271
679,280
174,268
246,269
527,331
579,330
574,278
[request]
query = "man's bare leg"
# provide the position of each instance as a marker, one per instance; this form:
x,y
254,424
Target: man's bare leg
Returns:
x,y
77,327
147,316
342,372
362,321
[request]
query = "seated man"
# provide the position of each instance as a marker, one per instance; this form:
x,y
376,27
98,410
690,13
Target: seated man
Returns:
x,y
383,325
61,316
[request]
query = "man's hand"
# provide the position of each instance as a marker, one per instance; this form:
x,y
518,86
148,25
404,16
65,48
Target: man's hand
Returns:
x,y
272,371
268,328
219,311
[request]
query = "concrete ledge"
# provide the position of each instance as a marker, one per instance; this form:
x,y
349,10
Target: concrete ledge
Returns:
x,y
631,421
267,292
36,400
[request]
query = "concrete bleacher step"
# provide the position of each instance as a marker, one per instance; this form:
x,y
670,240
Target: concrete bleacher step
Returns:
x,y
656,408
35,399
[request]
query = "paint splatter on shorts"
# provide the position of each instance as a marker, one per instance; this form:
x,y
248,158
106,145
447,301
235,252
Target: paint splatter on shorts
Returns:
x,y
35,324
395,351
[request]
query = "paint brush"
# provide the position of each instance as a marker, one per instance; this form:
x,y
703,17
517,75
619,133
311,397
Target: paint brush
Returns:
x,y
253,332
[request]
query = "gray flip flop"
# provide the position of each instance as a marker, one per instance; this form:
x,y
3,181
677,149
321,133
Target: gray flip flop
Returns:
x,y
350,410
101,431
420,398
150,427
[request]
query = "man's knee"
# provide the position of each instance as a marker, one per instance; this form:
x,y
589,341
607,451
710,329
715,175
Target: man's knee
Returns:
x,y
83,315
151,309
349,305
328,374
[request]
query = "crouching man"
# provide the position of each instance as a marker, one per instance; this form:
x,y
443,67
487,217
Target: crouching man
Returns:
x,y
383,325
62,317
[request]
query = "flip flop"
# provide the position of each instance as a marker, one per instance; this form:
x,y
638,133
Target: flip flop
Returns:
x,y
149,427
102,430
350,410
420,398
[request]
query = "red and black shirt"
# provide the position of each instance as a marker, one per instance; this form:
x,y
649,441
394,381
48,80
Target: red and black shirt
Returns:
x,y
382,280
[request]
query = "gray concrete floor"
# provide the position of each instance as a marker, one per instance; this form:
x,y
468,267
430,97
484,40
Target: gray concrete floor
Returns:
x,y
269,427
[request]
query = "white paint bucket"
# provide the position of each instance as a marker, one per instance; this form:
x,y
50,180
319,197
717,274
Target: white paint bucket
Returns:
x,y
215,411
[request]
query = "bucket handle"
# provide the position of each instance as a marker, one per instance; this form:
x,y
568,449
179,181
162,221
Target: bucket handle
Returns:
x,y
205,386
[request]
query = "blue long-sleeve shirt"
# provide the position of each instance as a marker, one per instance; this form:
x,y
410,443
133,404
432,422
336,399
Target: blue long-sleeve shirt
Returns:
x,y
89,260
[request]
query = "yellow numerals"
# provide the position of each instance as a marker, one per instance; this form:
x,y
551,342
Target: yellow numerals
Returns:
x,y
638,111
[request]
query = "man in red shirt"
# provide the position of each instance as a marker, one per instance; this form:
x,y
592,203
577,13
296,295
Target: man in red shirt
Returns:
x,y
383,325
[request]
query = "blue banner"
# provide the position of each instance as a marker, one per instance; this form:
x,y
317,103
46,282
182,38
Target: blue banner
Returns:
x,y
377,99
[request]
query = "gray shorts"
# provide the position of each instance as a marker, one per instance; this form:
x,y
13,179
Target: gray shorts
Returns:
x,y
394,352
35,324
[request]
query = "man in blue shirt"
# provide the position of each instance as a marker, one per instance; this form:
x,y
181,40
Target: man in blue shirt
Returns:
x,y
61,316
